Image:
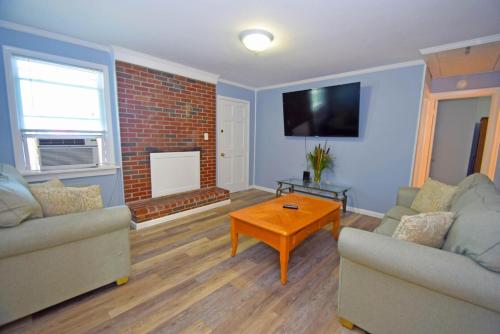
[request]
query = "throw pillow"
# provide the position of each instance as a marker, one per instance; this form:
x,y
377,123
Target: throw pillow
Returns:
x,y
469,182
11,172
427,229
433,197
16,203
63,200
476,231
49,184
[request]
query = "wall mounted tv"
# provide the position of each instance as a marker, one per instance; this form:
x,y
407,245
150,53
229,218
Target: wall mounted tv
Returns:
x,y
323,112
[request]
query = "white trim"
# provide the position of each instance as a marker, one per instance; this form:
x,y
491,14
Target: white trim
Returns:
x,y
349,208
117,128
461,44
266,189
347,74
35,176
142,59
464,94
232,83
217,121
161,220
413,158
365,212
254,134
8,53
52,35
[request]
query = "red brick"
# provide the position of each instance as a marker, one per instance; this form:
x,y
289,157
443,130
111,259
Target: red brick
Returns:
x,y
152,208
165,111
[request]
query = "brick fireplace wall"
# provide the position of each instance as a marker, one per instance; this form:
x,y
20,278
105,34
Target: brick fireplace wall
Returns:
x,y
162,112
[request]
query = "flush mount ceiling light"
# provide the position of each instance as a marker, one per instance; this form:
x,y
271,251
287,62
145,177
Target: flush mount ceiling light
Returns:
x,y
256,40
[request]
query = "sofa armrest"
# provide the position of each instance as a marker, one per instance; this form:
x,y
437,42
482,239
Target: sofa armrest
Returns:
x,y
445,272
406,195
37,234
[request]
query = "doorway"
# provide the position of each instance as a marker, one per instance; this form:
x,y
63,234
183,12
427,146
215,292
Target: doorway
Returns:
x,y
459,138
232,143
484,155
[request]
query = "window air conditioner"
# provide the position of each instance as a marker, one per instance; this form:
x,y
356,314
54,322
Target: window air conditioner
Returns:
x,y
56,153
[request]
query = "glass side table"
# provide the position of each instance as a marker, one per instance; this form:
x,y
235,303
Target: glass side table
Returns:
x,y
322,189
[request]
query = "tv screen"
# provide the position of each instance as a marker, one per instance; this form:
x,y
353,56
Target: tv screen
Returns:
x,y
323,112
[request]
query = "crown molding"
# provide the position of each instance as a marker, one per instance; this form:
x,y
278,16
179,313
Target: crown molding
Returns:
x,y
142,59
347,74
232,83
52,35
461,44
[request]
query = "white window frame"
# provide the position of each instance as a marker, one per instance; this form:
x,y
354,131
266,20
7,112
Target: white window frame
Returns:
x,y
109,165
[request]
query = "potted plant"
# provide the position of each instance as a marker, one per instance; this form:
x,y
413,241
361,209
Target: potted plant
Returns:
x,y
320,159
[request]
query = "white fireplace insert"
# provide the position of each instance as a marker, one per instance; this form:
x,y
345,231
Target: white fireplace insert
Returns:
x,y
174,172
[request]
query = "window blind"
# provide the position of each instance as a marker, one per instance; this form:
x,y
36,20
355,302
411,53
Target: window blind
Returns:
x,y
58,97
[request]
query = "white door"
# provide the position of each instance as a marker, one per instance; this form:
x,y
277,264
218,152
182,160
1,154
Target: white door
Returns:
x,y
232,143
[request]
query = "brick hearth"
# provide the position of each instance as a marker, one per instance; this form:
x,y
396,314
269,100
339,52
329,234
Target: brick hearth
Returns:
x,y
162,206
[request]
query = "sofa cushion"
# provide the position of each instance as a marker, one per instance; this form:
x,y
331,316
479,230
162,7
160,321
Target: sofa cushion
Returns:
x,y
38,234
387,226
398,212
467,183
472,194
64,200
16,202
434,196
476,231
428,229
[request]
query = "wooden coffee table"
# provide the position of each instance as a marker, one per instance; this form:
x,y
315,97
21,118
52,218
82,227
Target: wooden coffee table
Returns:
x,y
284,229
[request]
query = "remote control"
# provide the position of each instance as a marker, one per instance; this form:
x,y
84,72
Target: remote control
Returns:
x,y
290,206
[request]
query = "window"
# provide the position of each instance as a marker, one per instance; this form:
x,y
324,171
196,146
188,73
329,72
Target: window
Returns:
x,y
60,112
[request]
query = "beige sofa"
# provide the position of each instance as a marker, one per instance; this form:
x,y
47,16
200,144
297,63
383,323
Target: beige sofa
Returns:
x,y
393,286
45,261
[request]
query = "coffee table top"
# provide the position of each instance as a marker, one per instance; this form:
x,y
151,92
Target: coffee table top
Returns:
x,y
271,215
324,186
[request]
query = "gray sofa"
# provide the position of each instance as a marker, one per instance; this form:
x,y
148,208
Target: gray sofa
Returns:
x,y
45,261
393,286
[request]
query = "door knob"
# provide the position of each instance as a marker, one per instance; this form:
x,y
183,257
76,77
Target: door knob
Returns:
x,y
222,155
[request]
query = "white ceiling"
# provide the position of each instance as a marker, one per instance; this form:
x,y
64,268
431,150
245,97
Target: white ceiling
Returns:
x,y
475,59
312,37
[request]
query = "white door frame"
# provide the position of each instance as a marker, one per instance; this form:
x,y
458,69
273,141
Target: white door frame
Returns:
x,y
247,103
427,126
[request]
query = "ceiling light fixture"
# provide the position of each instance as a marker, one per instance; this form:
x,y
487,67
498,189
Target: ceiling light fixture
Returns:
x,y
256,40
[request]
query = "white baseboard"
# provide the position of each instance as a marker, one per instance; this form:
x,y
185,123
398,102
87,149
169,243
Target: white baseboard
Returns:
x,y
161,220
269,190
349,208
365,212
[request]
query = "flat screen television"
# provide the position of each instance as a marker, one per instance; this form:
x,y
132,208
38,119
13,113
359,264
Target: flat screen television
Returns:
x,y
323,112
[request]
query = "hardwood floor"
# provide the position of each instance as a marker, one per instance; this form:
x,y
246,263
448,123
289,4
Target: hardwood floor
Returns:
x,y
184,281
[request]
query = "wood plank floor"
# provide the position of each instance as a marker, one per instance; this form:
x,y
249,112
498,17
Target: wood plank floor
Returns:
x,y
184,281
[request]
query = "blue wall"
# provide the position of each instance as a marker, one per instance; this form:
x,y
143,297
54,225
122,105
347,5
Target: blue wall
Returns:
x,y
474,81
111,185
248,95
376,163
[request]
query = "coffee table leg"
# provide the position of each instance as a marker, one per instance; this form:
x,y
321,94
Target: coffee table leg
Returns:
x,y
234,238
279,190
336,225
284,257
344,202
